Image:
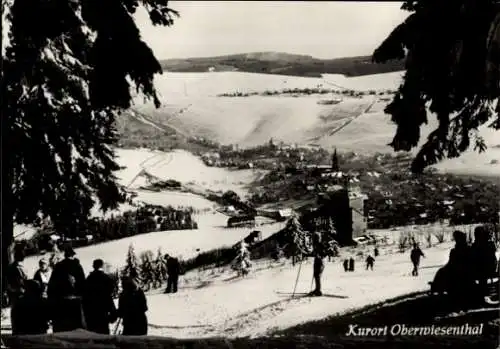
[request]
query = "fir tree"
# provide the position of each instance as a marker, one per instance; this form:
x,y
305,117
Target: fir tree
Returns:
x,y
160,266
147,270
452,71
132,268
299,242
242,261
67,72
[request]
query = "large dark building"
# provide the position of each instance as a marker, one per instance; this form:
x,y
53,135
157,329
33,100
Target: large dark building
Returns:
x,y
342,208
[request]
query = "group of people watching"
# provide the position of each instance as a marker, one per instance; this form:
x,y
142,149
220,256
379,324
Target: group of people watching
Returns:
x,y
469,268
67,299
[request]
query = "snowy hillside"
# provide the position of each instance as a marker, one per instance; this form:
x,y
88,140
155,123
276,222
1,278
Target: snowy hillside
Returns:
x,y
212,234
190,105
183,167
262,302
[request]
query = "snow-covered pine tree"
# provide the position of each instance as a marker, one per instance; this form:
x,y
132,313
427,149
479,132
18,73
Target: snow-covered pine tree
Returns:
x,y
115,279
160,267
132,268
299,241
242,261
147,270
67,74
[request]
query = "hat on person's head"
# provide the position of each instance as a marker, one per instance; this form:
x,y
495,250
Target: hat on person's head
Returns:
x,y
97,263
43,261
69,252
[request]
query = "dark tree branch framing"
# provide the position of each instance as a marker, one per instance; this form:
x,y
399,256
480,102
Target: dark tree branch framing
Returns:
x,y
67,74
452,52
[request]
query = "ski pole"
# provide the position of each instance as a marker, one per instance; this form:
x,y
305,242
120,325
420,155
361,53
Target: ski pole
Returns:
x,y
297,280
117,326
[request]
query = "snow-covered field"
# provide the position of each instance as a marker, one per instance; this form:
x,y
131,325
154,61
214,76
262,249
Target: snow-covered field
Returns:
x,y
216,303
183,167
219,305
190,104
211,234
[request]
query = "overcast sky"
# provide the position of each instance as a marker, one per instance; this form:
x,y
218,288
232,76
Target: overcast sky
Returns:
x,y
319,29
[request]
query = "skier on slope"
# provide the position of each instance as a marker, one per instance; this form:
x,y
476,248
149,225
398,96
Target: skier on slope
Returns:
x,y
318,268
318,264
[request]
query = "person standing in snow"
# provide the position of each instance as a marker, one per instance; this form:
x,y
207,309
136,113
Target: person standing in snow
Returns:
x,y
173,271
318,267
369,262
132,308
483,258
65,290
31,314
98,305
351,264
69,266
42,275
415,255
67,308
376,252
16,279
16,276
346,265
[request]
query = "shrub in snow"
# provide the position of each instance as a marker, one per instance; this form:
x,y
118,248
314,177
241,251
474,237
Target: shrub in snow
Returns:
x,y
429,240
440,236
403,242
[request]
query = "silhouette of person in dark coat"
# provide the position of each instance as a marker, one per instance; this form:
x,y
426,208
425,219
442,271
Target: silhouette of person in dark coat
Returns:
x,y
376,252
16,276
173,271
351,264
98,305
318,267
483,258
31,313
346,265
369,262
65,293
15,279
132,308
457,272
415,255
67,310
68,266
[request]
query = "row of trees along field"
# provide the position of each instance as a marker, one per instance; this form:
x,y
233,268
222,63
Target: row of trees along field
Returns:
x,y
147,219
67,74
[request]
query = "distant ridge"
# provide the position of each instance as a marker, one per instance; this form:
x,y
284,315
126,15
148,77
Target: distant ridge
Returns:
x,y
282,64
